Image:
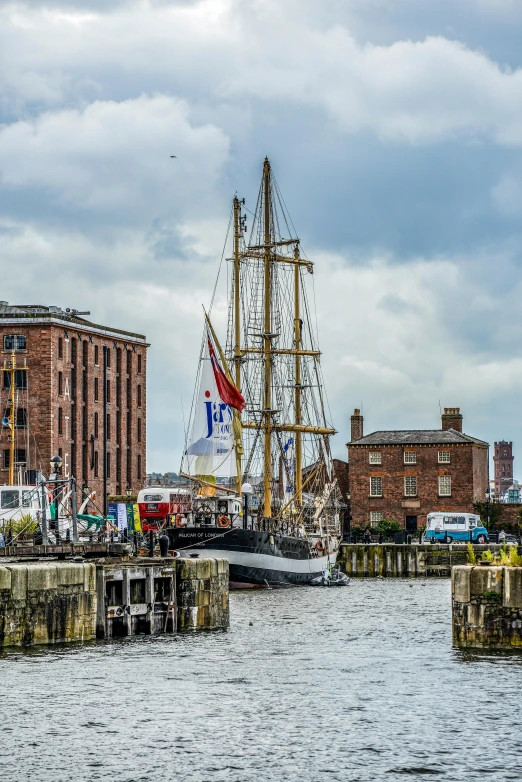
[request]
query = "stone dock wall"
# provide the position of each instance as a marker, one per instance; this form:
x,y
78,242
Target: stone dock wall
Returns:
x,y
55,602
389,560
487,607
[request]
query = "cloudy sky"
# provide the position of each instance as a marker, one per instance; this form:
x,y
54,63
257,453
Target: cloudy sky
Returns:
x,y
395,131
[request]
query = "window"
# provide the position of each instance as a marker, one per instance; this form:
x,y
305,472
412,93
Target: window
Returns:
x,y
444,486
27,498
96,390
60,347
96,464
85,353
139,467
139,363
375,458
20,417
10,498
14,342
108,354
410,457
20,457
108,464
410,487
108,390
108,426
60,420
60,383
375,517
375,487
20,379
153,498
129,362
139,430
444,457
96,424
96,355
139,396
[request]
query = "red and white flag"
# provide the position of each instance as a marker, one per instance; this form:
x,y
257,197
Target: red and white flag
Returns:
x,y
226,390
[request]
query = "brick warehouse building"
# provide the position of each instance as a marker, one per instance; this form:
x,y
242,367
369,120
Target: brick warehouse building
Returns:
x,y
64,406
404,475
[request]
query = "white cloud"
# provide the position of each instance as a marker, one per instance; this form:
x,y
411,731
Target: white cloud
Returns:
x,y
114,157
410,91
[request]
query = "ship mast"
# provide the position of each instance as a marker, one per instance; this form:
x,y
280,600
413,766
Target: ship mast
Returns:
x,y
267,348
237,325
298,418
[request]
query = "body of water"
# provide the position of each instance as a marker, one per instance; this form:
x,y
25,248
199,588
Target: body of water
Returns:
x,y
357,683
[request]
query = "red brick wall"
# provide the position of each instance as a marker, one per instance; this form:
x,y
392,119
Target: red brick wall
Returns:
x,y
466,468
44,402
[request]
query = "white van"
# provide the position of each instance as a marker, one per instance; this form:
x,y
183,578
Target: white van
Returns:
x,y
448,527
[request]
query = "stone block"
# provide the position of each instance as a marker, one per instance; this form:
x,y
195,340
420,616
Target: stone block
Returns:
x,y
485,579
512,587
461,584
5,578
70,574
41,578
18,582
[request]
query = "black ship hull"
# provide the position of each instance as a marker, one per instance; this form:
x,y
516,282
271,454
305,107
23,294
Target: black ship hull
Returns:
x,y
255,558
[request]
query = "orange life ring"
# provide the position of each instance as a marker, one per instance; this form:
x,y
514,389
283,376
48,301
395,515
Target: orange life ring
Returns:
x,y
223,521
319,545
181,520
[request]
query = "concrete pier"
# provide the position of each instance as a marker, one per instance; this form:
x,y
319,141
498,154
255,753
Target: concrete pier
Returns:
x,y
55,601
360,560
487,607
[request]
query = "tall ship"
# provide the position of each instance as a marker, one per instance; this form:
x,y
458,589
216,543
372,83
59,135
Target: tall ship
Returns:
x,y
257,456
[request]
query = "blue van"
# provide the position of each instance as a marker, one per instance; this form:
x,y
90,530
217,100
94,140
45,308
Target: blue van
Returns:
x,y
448,527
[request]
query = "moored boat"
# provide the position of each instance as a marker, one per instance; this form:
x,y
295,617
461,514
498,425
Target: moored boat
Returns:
x,y
265,492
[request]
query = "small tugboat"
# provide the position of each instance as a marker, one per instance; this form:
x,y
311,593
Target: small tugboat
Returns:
x,y
258,426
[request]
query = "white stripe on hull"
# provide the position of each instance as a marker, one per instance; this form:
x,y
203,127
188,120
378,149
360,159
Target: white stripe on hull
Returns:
x,y
266,561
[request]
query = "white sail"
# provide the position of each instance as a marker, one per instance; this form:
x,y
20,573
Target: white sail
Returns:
x,y
210,451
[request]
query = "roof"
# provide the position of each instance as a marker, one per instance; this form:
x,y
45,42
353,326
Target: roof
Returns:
x,y
30,314
417,437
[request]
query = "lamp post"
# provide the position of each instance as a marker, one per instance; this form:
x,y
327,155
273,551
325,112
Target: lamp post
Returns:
x,y
246,490
348,518
488,494
128,492
56,467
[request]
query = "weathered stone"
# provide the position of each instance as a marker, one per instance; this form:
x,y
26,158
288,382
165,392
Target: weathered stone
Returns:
x,y
513,588
5,578
487,607
460,585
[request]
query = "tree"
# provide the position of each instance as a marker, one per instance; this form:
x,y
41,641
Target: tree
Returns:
x,y
494,511
388,527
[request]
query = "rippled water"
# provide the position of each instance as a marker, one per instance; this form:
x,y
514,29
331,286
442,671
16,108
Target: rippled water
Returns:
x,y
359,683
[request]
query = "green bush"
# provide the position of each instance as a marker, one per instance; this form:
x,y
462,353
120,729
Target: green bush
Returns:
x,y
472,558
22,527
388,527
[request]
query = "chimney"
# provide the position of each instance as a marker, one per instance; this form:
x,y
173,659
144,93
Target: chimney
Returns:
x,y
452,419
356,425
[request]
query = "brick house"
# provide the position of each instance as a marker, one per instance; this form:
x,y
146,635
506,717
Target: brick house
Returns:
x,y
64,406
404,475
